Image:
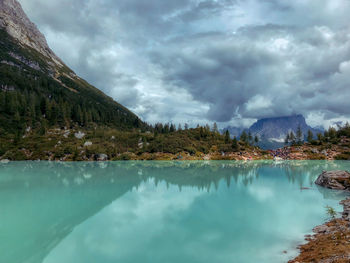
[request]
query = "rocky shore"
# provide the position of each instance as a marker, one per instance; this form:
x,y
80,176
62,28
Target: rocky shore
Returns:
x,y
331,241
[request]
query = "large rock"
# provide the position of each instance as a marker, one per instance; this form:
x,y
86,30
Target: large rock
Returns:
x,y
337,180
101,157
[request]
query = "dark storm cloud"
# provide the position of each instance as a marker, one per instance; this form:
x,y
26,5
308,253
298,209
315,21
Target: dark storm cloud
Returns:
x,y
208,60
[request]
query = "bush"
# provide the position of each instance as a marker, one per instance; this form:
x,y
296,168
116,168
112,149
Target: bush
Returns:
x,y
342,156
15,155
124,157
68,150
190,150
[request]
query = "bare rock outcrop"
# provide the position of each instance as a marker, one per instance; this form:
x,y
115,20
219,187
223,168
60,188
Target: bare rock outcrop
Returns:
x,y
346,211
337,180
17,24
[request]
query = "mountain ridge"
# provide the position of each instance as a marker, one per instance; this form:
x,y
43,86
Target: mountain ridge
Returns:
x,y
272,131
37,89
19,26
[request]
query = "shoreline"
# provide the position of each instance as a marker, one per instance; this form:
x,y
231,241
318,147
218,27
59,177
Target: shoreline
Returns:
x,y
330,242
302,153
4,161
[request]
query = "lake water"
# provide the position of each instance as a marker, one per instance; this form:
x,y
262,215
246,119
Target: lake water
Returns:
x,y
160,212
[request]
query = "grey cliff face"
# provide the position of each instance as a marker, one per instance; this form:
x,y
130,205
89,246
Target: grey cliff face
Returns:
x,y
17,24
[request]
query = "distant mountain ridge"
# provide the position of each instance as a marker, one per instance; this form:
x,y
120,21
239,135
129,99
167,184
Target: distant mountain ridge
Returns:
x,y
272,131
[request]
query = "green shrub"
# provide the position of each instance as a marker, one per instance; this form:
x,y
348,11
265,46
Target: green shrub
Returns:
x,y
342,156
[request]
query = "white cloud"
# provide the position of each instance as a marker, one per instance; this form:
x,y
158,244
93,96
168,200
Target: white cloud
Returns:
x,y
179,61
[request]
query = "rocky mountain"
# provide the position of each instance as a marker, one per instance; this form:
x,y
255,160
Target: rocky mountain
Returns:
x,y
17,24
272,131
38,90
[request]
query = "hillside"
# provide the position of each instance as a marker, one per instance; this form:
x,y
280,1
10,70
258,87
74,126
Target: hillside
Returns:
x,y
38,91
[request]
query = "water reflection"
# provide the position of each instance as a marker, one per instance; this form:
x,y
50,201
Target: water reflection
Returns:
x,y
42,203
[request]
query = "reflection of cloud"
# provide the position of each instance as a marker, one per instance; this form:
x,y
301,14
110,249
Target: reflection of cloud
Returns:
x,y
261,193
163,214
137,217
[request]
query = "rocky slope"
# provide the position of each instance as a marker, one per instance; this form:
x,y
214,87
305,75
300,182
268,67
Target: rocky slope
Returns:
x,y
18,25
277,128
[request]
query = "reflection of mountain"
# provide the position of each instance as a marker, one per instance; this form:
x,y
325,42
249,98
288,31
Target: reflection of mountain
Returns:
x,y
63,199
41,203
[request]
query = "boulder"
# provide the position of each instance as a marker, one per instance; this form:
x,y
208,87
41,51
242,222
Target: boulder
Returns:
x,y
337,180
102,157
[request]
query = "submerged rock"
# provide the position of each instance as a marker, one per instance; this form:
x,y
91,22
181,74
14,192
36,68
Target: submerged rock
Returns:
x,y
337,180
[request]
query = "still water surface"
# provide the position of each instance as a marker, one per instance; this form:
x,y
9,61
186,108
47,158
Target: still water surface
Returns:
x,y
160,212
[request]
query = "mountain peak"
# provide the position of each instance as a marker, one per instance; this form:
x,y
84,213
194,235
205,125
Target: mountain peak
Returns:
x,y
272,131
17,24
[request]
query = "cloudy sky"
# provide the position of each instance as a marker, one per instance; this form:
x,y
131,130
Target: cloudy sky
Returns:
x,y
198,61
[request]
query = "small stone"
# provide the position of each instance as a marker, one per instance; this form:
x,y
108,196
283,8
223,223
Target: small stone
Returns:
x,y
66,133
79,135
321,229
87,144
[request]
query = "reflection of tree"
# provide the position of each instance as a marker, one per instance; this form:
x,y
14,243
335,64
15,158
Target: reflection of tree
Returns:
x,y
304,173
332,194
67,194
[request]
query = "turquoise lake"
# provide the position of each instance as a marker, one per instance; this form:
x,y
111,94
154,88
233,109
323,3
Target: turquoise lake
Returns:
x,y
160,212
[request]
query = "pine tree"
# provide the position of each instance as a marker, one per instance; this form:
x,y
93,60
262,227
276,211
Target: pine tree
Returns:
x,y
292,137
235,144
320,137
244,137
332,133
287,139
227,136
215,128
310,136
256,139
250,137
299,136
